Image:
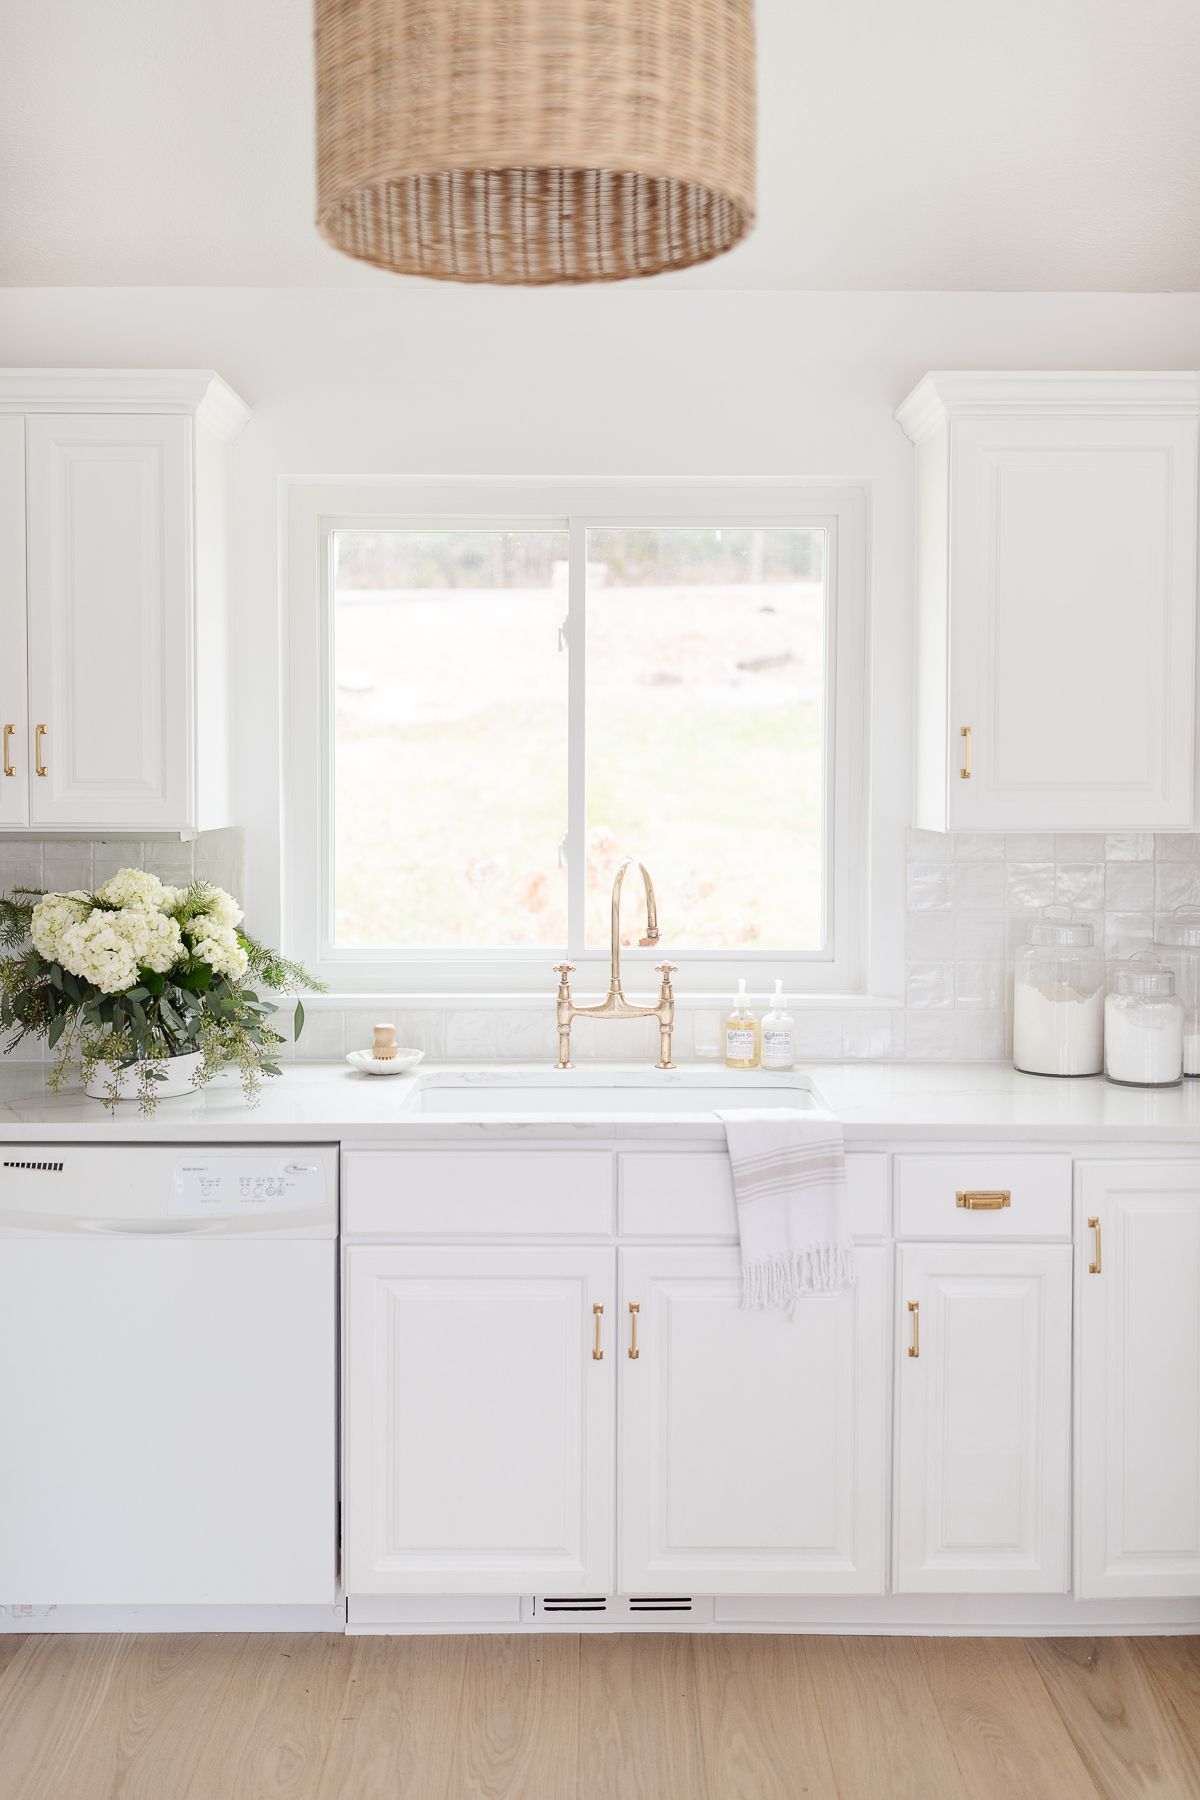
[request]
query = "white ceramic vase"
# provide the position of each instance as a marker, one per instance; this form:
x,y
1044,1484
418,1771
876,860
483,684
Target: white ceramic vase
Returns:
x,y
178,1072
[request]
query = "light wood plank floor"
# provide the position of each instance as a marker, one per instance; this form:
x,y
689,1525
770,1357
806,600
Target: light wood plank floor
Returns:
x,y
569,1718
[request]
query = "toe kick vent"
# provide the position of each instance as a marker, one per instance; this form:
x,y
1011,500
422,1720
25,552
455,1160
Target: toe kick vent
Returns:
x,y
669,1603
573,1603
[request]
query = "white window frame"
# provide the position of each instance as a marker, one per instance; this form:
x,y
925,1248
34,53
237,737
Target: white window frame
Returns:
x,y
315,510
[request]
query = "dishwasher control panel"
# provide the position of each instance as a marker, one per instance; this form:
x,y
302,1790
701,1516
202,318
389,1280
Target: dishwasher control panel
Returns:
x,y
224,1186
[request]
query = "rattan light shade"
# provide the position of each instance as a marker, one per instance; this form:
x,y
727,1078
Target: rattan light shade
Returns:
x,y
534,141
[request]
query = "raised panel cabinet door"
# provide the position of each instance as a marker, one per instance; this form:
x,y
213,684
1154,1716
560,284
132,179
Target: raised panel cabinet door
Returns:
x,y
14,734
983,1426
479,1420
1137,1360
753,1450
110,621
1072,622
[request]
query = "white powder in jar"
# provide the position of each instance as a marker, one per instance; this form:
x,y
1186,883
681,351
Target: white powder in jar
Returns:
x,y
1191,1050
1056,1029
1143,1040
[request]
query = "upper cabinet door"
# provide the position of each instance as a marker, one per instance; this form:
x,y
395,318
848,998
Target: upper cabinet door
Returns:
x,y
110,621
753,1456
14,765
1057,598
1137,1441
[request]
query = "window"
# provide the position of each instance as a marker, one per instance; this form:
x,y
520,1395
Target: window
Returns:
x,y
499,692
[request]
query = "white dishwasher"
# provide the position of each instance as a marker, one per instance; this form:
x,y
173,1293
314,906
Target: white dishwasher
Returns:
x,y
168,1374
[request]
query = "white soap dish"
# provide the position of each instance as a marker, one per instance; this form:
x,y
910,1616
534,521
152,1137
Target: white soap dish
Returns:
x,y
400,1064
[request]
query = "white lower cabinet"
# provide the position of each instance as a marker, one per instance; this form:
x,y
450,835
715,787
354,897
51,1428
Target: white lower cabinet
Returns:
x,y
752,1445
1137,1526
479,1420
983,1422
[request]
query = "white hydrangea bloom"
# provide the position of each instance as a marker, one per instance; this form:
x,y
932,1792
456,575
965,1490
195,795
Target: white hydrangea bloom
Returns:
x,y
221,906
132,887
155,940
217,945
99,952
54,914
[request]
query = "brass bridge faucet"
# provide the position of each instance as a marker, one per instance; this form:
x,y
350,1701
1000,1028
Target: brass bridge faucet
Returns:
x,y
615,1005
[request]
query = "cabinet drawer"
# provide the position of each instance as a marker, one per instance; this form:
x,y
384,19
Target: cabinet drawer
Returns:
x,y
970,1197
690,1194
486,1193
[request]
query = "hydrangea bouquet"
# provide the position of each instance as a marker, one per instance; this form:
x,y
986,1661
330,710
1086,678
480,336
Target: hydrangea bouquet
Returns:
x,y
121,981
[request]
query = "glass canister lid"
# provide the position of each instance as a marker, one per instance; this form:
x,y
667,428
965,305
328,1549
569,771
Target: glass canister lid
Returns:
x,y
1143,974
1180,930
1056,926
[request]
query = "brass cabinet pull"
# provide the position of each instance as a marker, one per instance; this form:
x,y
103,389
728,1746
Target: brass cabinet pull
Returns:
x,y
634,1310
983,1199
965,735
39,737
1095,1265
914,1307
597,1348
8,738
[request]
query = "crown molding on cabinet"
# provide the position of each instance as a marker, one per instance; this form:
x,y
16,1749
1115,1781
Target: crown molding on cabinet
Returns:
x,y
944,395
200,392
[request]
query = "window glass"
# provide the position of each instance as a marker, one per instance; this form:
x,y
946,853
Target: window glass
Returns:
x,y
449,738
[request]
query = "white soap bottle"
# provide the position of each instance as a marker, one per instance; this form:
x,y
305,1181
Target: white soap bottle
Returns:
x,y
778,1034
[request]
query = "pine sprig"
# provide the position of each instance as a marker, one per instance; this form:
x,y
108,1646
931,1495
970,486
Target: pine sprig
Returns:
x,y
276,971
16,916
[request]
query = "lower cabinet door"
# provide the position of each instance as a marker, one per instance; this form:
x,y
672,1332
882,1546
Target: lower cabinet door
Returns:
x,y
984,1422
752,1445
1137,1494
479,1420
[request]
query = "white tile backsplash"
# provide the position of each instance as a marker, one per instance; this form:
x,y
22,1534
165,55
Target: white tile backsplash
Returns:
x,y
970,897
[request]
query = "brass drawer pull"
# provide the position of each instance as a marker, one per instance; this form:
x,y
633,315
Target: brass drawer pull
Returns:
x,y
1095,1266
914,1307
39,739
597,1348
634,1310
8,738
965,771
983,1199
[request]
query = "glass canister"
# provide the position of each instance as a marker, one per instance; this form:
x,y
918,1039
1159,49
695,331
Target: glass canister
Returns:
x,y
1058,997
1143,1024
1178,938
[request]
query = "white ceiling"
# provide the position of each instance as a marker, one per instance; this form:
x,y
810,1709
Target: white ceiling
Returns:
x,y
952,144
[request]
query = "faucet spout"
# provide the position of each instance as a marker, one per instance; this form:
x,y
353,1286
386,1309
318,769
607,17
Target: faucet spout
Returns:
x,y
651,937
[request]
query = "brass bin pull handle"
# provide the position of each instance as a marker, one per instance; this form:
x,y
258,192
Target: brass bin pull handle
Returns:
x,y
914,1307
634,1310
8,738
39,738
965,735
1094,1267
983,1199
597,1347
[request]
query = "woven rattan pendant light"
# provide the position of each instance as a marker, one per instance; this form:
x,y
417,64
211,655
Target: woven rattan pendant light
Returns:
x,y
535,141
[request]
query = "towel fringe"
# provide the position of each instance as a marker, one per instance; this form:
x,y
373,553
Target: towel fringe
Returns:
x,y
785,1277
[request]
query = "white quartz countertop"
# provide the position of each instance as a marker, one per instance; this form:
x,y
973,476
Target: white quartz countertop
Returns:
x,y
878,1104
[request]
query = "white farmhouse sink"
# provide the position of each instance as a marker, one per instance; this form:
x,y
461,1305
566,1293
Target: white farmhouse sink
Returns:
x,y
576,1093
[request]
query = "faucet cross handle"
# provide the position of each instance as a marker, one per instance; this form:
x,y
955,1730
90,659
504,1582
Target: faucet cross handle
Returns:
x,y
667,969
564,968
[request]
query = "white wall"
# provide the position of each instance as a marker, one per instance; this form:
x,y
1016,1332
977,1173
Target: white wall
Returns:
x,y
595,383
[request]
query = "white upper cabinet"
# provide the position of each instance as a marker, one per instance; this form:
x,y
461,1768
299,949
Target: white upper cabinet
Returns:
x,y
117,702
1056,545
14,783
1137,1439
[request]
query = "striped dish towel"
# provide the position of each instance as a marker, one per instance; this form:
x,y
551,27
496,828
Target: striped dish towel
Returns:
x,y
789,1180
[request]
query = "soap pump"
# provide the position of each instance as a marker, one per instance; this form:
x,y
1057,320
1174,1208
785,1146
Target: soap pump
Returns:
x,y
741,1034
778,1034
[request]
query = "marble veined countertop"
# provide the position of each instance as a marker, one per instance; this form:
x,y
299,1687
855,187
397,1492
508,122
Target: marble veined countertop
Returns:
x,y
878,1103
